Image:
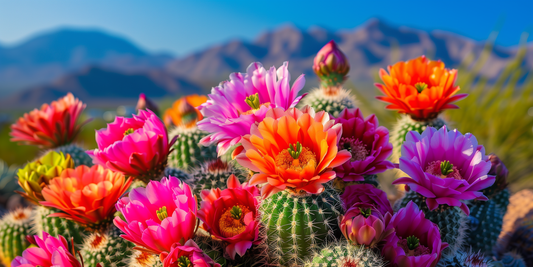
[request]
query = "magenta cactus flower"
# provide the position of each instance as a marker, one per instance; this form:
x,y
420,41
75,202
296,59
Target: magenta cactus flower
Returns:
x,y
235,105
159,215
188,254
331,65
136,146
49,251
416,241
363,224
367,142
445,167
366,193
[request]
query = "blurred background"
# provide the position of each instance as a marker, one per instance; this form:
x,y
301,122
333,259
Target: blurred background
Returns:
x,y
108,52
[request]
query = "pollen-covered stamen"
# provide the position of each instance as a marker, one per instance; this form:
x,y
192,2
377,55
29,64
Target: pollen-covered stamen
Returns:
x,y
356,147
412,247
291,159
365,212
184,261
253,101
231,222
421,87
443,169
162,213
129,131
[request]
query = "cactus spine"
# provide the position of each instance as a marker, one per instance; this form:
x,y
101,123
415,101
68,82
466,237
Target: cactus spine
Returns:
x,y
452,221
57,226
183,176
404,125
107,248
465,259
78,154
213,248
295,226
484,226
14,227
501,200
188,153
213,174
333,101
343,254
144,259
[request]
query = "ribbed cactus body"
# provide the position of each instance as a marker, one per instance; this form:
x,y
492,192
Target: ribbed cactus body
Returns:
x,y
107,248
78,154
501,200
182,175
484,225
452,221
213,248
188,153
14,227
213,174
297,226
57,226
521,240
464,258
510,259
144,259
342,254
333,102
404,125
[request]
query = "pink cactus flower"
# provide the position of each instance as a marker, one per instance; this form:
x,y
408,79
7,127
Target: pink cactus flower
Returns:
x,y
49,252
189,255
235,105
331,65
416,241
445,167
363,224
230,215
366,193
136,146
159,215
367,142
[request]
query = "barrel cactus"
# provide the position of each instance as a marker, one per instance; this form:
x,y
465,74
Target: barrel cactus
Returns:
x,y
107,248
188,153
213,174
465,258
342,254
56,225
484,225
14,227
77,153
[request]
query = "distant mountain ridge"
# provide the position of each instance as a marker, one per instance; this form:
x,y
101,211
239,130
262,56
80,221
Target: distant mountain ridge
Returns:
x,y
96,65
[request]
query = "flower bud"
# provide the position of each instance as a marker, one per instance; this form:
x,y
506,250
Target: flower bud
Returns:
x,y
364,225
145,103
331,65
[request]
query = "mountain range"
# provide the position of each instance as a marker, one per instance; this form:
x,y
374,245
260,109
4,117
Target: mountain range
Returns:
x,y
101,68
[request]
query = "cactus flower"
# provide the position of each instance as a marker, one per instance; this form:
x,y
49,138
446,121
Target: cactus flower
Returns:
x,y
230,215
35,175
184,112
367,142
159,215
499,170
419,87
86,195
331,65
187,255
136,146
416,240
366,193
51,126
144,103
48,251
363,224
294,150
445,166
235,105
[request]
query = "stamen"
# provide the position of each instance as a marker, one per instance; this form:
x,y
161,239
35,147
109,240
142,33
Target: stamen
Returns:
x,y
412,247
365,212
184,261
412,242
253,101
446,167
356,147
421,87
231,222
129,131
162,213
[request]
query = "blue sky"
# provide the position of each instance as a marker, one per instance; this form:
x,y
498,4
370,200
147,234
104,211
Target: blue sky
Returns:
x,y
180,27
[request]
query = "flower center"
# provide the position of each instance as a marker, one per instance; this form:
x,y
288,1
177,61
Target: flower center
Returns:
x,y
356,148
350,263
365,212
412,247
231,222
162,213
421,87
296,158
129,131
443,169
184,261
253,101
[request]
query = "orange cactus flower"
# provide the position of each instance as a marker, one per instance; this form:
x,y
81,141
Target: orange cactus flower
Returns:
x,y
293,150
419,87
184,112
86,195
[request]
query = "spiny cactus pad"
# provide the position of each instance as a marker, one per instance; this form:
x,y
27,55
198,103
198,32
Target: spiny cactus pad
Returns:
x,y
78,154
57,226
188,153
14,227
297,226
484,226
107,248
343,254
452,221
331,102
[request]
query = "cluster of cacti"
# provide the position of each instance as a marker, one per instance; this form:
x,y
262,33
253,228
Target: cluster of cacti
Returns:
x,y
247,179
